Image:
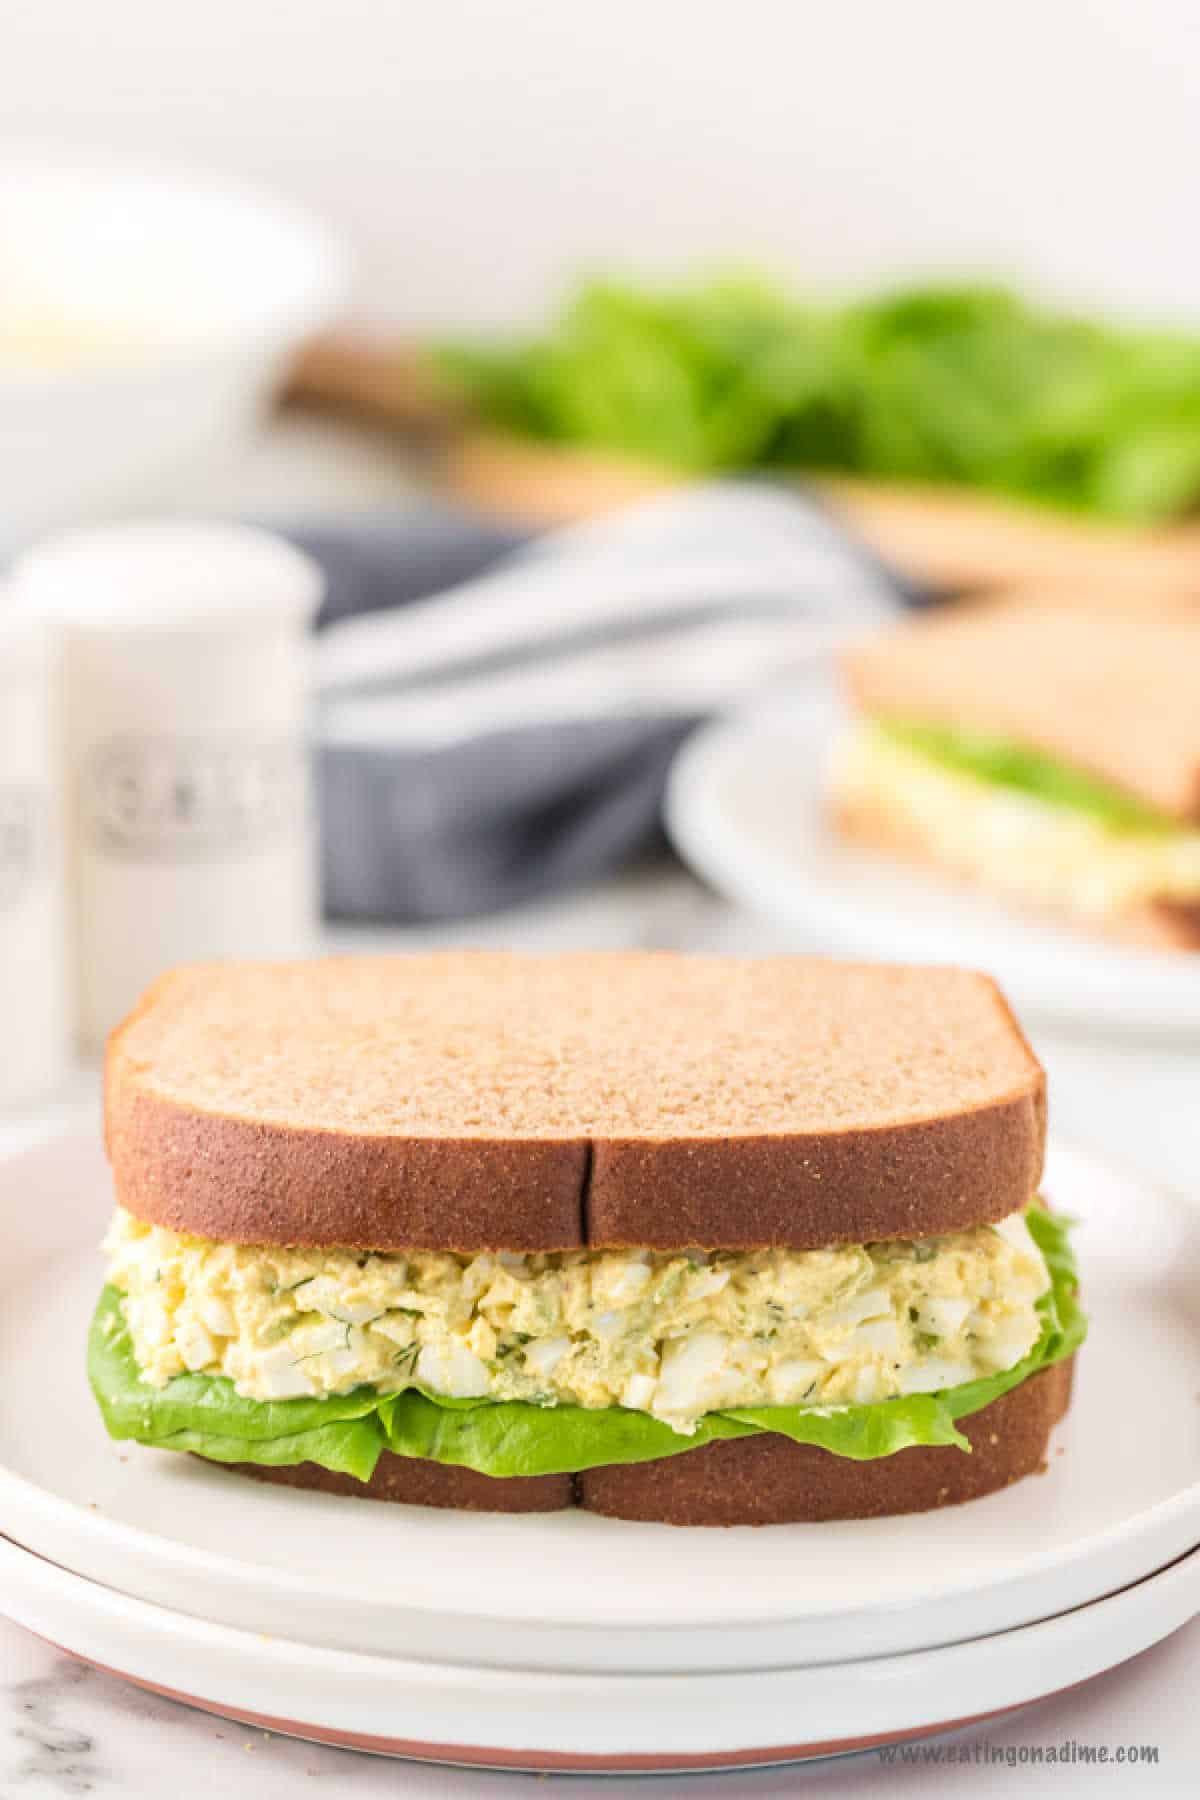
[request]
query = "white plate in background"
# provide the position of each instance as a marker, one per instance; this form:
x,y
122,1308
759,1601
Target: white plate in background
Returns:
x,y
746,809
1121,1497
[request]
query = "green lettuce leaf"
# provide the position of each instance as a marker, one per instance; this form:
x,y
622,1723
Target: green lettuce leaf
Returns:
x,y
348,1447
1004,764
962,384
509,1438
207,1415
204,1414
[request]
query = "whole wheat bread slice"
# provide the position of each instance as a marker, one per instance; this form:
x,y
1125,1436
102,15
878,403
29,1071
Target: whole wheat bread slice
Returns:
x,y
414,1481
467,1100
769,1480
765,1480
1113,693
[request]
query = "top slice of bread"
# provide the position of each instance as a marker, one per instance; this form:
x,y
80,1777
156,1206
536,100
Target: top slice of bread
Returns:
x,y
1113,693
468,1100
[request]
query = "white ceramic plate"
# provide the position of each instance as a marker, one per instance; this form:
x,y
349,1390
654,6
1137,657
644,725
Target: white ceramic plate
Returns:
x,y
746,809
1121,1497
535,1719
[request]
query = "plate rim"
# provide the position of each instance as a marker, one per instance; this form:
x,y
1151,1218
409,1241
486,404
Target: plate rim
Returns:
x,y
340,1669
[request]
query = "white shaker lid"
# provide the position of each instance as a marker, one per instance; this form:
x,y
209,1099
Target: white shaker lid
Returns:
x,y
168,576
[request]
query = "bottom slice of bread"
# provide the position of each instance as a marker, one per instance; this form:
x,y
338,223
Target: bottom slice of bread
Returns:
x,y
1155,925
415,1482
764,1480
769,1480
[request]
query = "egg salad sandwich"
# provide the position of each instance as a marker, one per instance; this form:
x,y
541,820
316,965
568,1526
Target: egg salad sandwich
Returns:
x,y
1049,755
701,1240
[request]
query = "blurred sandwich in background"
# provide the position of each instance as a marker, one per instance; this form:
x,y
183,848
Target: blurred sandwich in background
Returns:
x,y
1048,756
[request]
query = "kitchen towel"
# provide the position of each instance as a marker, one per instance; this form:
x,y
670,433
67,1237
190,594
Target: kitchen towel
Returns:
x,y
496,714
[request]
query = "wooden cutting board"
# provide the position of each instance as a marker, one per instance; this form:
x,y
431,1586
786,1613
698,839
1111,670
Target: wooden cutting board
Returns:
x,y
949,540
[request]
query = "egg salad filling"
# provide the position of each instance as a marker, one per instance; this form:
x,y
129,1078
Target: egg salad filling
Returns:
x,y
673,1335
1060,840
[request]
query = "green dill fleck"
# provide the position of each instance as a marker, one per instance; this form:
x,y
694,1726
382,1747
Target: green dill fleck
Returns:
x,y
669,1284
927,1340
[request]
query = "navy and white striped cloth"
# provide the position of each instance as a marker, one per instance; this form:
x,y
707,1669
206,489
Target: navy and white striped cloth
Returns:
x,y
497,714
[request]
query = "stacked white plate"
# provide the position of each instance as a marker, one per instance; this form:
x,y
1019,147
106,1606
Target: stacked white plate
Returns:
x,y
572,1642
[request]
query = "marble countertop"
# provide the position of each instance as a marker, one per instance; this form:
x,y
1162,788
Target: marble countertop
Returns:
x,y
66,1730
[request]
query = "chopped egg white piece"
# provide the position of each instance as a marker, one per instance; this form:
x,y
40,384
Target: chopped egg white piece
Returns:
x,y
675,1335
1049,855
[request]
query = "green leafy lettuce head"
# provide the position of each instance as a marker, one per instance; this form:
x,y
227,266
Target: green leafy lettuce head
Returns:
x,y
966,384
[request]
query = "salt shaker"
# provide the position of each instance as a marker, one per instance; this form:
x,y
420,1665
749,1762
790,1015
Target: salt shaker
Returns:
x,y
33,1009
184,698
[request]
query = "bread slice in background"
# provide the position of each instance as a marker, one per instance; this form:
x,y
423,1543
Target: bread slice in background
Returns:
x,y
1116,694
469,1100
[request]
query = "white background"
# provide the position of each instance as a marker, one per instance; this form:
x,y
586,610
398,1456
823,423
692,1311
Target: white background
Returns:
x,y
478,151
